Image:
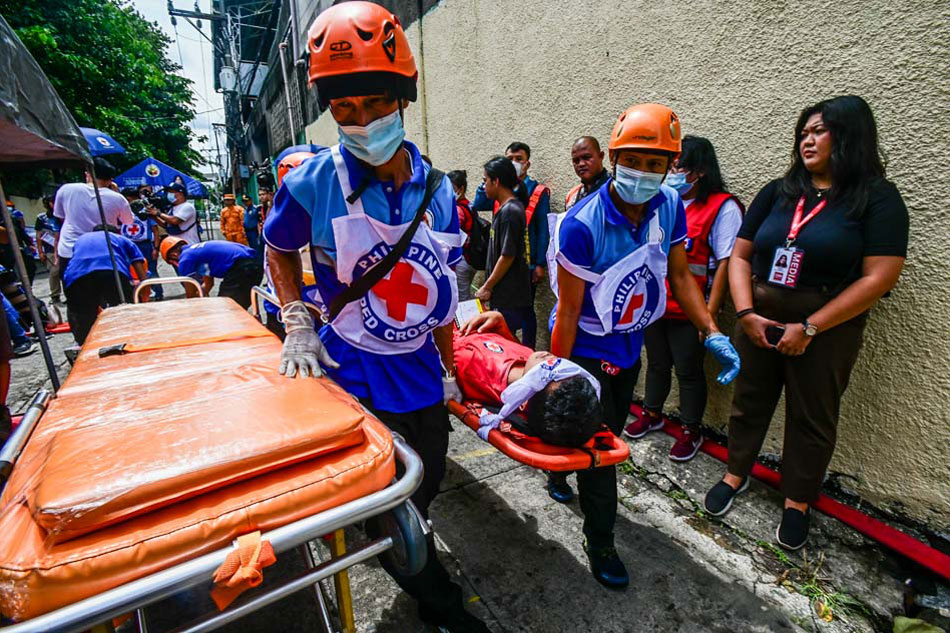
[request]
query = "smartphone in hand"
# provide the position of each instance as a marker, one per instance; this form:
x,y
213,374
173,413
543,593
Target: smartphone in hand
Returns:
x,y
774,334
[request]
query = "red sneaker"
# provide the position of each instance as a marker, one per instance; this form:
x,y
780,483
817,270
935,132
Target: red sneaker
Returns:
x,y
687,445
647,422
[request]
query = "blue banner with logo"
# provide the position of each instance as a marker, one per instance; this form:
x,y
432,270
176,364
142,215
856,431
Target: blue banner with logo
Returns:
x,y
157,174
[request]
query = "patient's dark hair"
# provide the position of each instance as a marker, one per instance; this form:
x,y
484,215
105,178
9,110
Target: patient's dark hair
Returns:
x,y
565,413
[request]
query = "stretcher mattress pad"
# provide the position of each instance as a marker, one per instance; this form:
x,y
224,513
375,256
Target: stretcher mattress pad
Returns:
x,y
147,459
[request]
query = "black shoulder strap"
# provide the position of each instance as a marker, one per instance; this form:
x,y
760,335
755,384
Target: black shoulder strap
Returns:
x,y
359,288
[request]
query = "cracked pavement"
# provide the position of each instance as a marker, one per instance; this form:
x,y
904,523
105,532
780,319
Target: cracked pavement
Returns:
x,y
519,559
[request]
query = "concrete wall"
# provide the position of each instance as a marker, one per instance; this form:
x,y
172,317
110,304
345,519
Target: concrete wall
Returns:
x,y
545,72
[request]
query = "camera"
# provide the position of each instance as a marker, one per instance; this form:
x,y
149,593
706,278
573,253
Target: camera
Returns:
x,y
159,202
138,209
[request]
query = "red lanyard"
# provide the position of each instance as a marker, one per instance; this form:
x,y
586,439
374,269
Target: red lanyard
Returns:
x,y
798,221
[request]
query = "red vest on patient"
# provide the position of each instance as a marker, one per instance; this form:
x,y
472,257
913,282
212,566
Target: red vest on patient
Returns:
x,y
482,363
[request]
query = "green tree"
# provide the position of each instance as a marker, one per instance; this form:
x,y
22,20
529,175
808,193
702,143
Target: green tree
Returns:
x,y
111,68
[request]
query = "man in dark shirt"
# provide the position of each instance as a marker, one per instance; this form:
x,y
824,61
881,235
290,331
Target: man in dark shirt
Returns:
x,y
47,229
588,161
508,286
537,206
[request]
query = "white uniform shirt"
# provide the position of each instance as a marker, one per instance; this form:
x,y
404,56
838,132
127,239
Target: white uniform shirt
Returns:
x,y
76,206
189,220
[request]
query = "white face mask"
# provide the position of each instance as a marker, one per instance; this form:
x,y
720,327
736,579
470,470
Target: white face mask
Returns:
x,y
678,181
375,143
635,186
519,167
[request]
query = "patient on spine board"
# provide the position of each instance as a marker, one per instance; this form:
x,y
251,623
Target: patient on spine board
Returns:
x,y
489,359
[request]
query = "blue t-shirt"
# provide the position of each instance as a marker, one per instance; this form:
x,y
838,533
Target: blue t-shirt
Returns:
x,y
214,258
51,225
594,236
90,254
306,203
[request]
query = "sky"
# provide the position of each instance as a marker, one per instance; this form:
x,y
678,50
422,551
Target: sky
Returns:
x,y
195,58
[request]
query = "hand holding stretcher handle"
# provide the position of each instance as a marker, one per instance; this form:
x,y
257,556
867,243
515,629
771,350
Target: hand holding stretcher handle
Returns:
x,y
303,351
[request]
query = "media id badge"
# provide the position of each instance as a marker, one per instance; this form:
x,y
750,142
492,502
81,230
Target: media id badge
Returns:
x,y
786,266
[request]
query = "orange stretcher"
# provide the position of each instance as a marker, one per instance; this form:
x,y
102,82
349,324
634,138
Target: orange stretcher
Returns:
x,y
173,436
604,449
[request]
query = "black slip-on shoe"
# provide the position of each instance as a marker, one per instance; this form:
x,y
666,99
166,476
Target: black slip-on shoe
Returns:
x,y
719,498
792,532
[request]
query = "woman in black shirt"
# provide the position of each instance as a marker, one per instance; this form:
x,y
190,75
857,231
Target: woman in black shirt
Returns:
x,y
816,250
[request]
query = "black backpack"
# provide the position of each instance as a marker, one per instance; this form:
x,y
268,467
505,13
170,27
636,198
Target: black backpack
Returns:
x,y
476,253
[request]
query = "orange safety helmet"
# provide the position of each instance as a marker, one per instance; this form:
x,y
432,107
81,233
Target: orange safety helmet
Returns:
x,y
168,244
359,48
648,126
289,162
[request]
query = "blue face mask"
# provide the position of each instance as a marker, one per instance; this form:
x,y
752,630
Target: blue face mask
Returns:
x,y
634,186
171,197
377,142
678,182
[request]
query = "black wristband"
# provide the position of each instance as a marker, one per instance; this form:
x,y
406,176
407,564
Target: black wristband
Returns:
x,y
742,313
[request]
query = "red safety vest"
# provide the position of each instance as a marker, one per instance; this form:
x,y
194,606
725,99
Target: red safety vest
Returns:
x,y
571,198
699,222
539,190
533,201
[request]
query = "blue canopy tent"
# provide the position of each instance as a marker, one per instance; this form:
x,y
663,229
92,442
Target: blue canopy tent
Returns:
x,y
157,174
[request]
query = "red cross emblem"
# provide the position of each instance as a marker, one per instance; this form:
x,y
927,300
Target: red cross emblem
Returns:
x,y
398,291
635,302
134,229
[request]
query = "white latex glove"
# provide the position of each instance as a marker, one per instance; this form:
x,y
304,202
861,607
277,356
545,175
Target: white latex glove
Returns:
x,y
303,350
450,390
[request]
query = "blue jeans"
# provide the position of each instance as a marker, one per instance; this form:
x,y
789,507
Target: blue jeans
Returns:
x,y
17,333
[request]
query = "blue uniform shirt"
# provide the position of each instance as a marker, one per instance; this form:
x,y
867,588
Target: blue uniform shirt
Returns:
x,y
306,203
90,254
252,216
218,256
538,237
594,236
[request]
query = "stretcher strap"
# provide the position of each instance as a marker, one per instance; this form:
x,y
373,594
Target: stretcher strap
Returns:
x,y
242,569
128,348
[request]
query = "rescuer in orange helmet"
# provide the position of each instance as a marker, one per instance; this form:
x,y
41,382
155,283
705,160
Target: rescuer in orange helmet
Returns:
x,y
613,253
389,340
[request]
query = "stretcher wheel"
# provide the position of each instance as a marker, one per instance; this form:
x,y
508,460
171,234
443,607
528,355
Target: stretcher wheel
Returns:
x,y
409,551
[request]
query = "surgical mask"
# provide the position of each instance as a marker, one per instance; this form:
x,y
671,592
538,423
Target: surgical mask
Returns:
x,y
171,197
375,143
634,186
519,167
678,182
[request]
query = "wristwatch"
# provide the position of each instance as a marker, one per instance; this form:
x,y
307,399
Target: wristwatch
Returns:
x,y
810,328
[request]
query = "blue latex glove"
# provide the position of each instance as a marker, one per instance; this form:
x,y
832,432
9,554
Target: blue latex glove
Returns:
x,y
721,347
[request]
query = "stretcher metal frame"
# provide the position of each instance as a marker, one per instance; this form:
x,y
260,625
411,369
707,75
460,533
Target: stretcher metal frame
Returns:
x,y
162,281
260,295
97,612
134,596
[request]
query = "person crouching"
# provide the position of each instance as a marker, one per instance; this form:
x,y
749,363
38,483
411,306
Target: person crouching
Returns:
x,y
235,264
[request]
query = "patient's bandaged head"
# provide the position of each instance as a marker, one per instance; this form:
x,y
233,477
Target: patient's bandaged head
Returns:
x,y
555,417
